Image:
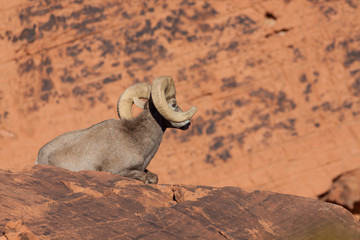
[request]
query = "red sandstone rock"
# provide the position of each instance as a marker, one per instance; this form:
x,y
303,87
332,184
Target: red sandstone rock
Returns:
x,y
16,230
276,83
53,203
345,191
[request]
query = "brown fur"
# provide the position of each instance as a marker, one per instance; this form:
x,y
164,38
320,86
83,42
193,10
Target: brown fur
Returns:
x,y
123,147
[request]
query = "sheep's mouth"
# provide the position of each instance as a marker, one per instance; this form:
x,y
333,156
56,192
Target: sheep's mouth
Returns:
x,y
185,126
181,125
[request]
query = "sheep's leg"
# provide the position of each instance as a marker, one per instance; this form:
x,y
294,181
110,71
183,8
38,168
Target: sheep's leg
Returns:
x,y
145,177
151,177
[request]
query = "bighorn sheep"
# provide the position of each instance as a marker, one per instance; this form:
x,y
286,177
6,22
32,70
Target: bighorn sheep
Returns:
x,y
126,146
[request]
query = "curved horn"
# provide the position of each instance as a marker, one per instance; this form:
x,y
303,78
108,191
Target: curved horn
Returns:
x,y
162,89
125,102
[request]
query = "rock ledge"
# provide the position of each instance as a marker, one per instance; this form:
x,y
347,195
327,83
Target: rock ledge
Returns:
x,y
52,203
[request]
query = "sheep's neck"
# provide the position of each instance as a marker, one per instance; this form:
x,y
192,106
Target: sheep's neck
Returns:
x,y
150,139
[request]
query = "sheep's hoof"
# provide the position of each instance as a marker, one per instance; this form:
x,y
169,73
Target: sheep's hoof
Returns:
x,y
151,178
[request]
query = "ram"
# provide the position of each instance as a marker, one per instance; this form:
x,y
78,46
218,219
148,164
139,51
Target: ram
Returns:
x,y
125,146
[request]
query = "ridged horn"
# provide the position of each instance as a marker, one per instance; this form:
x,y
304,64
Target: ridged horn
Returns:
x,y
162,89
125,102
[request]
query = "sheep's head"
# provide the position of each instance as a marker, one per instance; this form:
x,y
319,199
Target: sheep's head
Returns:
x,y
162,94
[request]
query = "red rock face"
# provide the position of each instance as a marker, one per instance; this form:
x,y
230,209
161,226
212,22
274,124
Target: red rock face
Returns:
x,y
53,203
277,83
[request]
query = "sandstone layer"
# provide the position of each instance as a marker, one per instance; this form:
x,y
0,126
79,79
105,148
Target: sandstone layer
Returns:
x,y
277,83
345,191
52,203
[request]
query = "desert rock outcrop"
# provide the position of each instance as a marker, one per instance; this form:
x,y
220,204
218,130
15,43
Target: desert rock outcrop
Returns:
x,y
52,203
277,83
345,191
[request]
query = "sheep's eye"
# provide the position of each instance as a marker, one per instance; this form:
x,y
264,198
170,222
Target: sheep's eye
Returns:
x,y
173,106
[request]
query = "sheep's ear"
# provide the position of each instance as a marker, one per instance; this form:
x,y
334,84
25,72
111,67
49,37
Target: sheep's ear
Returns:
x,y
139,103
